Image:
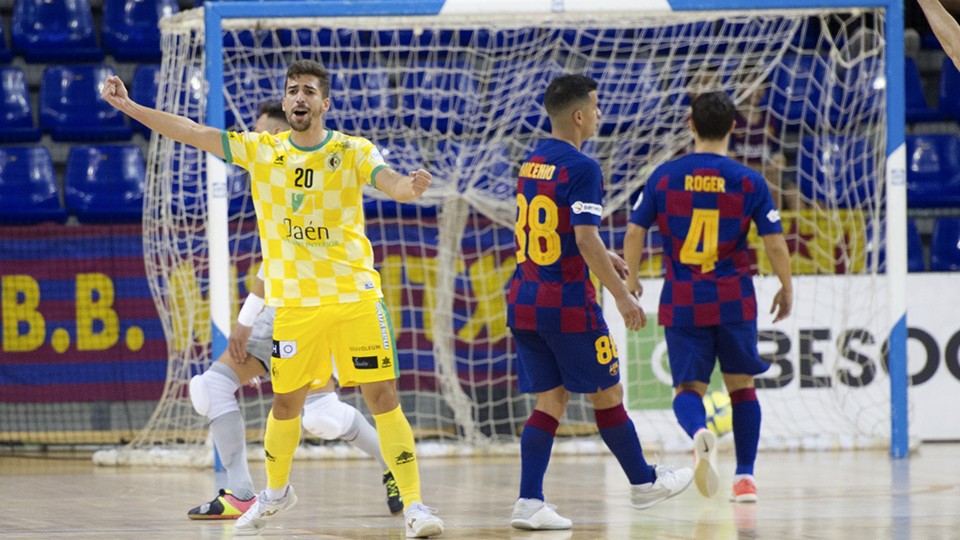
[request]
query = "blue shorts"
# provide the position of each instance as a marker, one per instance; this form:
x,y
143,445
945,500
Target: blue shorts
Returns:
x,y
694,350
584,362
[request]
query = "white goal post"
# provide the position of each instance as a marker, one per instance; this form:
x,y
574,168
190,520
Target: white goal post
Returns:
x,y
454,86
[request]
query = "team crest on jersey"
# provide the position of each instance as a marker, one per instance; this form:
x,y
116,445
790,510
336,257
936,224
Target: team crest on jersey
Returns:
x,y
334,161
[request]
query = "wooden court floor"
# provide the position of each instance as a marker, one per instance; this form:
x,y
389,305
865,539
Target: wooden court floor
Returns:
x,y
822,496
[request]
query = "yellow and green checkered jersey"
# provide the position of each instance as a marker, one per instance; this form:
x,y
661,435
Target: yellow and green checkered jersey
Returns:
x,y
310,215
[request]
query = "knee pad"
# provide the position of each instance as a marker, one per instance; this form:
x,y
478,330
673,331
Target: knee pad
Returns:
x,y
199,397
212,394
327,417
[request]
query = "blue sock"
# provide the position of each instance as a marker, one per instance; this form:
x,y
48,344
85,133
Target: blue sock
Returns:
x,y
688,406
620,436
746,428
536,443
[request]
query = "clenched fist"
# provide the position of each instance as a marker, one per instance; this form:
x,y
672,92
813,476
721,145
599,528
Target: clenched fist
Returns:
x,y
114,92
420,180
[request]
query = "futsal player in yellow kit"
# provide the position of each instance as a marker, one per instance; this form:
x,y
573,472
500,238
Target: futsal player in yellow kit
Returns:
x,y
319,274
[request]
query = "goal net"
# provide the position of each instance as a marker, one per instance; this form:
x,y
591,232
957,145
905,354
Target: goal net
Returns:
x,y
461,96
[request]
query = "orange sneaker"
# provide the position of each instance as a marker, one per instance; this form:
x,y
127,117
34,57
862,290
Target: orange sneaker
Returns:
x,y
745,490
225,506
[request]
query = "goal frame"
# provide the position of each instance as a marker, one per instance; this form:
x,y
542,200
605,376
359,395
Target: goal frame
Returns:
x,y
215,12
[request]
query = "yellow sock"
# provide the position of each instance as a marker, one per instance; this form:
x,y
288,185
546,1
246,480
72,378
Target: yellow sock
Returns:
x,y
397,447
279,443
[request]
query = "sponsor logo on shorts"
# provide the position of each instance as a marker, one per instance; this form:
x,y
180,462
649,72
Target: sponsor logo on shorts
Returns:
x,y
366,362
384,329
364,348
405,457
385,362
284,349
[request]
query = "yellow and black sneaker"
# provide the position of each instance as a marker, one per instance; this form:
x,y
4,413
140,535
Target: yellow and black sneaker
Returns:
x,y
393,493
225,506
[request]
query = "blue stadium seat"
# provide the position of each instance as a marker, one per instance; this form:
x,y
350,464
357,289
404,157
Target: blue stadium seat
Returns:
x,y
629,93
55,31
16,112
797,88
933,171
71,108
28,186
858,95
916,100
836,170
440,97
945,245
915,258
146,82
518,96
130,28
105,183
949,83
485,167
361,99
238,189
6,55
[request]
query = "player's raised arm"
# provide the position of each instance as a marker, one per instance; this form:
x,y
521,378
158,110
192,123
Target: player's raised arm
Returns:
x,y
402,188
944,26
175,127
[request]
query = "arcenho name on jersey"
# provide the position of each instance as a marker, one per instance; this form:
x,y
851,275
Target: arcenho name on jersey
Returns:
x,y
309,207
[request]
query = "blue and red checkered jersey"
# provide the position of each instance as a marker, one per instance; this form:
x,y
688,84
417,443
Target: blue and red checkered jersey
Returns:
x,y
558,188
703,204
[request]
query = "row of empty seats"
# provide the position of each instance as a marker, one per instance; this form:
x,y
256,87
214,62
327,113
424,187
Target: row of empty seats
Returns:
x,y
59,30
45,31
105,184
431,97
71,108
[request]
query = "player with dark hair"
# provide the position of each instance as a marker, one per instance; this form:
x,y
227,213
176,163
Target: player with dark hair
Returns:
x,y
318,272
703,204
562,340
213,394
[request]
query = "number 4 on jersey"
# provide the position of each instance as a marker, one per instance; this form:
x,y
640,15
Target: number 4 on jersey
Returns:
x,y
700,247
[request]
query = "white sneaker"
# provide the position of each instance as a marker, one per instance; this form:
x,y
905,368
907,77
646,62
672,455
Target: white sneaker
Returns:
x,y
534,515
421,521
705,467
254,519
669,483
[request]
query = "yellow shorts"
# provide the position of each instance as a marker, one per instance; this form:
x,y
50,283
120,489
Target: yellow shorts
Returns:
x,y
358,337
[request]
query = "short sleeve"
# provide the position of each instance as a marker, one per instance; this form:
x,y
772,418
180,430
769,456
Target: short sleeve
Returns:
x,y
240,148
586,193
644,211
368,161
764,212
